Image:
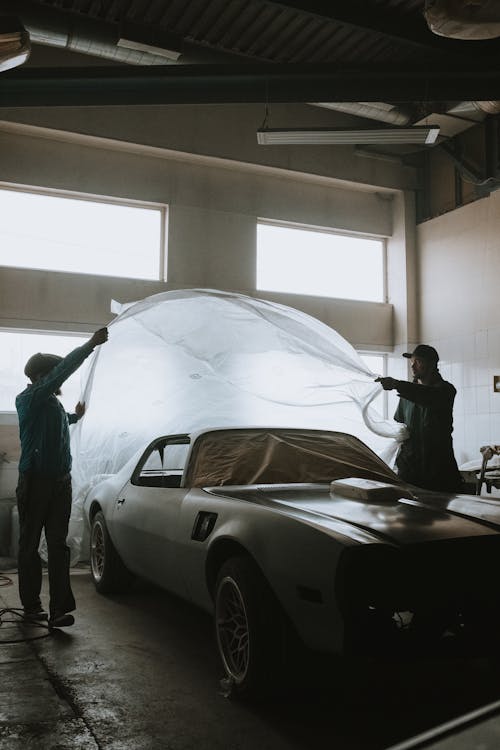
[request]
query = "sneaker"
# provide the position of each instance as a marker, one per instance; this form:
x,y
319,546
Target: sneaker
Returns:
x,y
61,621
35,615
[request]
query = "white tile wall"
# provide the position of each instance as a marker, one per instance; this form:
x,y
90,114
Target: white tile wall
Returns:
x,y
459,313
469,362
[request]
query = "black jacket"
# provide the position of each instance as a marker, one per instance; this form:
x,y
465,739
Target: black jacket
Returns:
x,y
426,459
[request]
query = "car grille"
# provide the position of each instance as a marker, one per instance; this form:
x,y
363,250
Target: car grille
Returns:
x,y
421,596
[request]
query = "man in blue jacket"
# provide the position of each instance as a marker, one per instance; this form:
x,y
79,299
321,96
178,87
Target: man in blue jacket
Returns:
x,y
44,487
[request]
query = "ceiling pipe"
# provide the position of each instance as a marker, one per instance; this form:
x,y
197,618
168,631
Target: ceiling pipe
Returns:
x,y
467,110
471,20
490,108
15,44
372,110
465,114
97,38
86,36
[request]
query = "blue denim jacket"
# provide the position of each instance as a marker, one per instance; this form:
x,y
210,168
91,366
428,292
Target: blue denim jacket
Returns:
x,y
43,422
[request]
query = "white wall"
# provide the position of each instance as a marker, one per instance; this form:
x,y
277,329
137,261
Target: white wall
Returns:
x,y
459,257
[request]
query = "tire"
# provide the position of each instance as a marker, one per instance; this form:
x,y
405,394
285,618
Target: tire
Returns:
x,y
109,574
249,628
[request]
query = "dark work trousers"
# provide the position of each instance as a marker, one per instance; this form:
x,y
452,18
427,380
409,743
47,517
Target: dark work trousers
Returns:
x,y
44,503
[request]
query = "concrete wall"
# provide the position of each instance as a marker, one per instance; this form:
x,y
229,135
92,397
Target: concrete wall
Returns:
x,y
459,260
227,132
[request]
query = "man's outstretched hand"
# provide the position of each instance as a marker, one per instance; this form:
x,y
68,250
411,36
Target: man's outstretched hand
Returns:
x,y
99,337
388,384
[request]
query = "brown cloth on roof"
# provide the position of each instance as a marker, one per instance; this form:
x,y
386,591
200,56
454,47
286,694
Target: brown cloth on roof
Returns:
x,y
240,457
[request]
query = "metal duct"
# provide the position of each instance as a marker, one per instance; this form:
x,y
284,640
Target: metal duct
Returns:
x,y
14,43
459,117
491,108
475,111
467,111
78,34
87,36
372,110
475,19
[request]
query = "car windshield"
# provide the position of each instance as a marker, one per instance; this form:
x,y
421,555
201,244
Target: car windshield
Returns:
x,y
239,457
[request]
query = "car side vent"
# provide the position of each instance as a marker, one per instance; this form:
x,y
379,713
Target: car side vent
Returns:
x,y
203,526
310,595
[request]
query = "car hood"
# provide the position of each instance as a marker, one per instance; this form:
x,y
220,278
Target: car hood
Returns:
x,y
422,516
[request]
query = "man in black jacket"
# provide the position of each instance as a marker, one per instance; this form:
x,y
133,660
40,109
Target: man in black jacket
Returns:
x,y
426,458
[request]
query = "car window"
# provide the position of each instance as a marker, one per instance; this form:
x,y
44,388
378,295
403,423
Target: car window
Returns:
x,y
163,466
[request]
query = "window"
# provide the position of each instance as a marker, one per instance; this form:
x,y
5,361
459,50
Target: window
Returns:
x,y
17,347
319,263
163,466
54,232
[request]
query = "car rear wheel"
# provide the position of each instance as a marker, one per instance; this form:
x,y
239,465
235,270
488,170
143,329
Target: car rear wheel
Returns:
x,y
108,571
249,627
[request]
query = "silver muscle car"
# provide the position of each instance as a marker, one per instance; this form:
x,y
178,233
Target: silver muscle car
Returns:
x,y
280,531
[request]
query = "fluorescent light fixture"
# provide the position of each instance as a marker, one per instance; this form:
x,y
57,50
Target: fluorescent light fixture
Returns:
x,y
170,54
144,39
361,136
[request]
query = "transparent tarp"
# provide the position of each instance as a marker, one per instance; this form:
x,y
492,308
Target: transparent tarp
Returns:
x,y
189,359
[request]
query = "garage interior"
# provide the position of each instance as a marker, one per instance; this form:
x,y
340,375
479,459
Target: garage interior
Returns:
x,y
160,102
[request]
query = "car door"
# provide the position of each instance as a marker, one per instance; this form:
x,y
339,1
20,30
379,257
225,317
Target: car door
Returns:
x,y
146,514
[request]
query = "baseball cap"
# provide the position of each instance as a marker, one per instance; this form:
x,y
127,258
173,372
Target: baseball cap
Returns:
x,y
423,351
40,364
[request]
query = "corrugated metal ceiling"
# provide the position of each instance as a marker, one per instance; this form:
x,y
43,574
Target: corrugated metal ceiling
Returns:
x,y
260,30
301,50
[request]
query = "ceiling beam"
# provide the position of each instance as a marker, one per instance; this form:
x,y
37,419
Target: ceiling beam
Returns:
x,y
224,84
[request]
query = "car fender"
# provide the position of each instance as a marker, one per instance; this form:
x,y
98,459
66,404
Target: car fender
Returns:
x,y
299,562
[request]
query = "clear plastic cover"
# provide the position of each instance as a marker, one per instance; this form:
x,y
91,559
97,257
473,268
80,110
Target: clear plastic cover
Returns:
x,y
189,359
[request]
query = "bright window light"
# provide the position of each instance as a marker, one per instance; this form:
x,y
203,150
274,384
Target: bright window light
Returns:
x,y
16,348
62,233
319,263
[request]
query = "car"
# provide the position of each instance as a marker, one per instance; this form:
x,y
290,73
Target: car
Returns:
x,y
287,534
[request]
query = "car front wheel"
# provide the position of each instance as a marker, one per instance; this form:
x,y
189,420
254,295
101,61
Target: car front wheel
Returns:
x,y
249,627
108,571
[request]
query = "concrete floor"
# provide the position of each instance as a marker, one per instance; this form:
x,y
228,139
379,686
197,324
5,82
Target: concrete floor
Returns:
x,y
139,672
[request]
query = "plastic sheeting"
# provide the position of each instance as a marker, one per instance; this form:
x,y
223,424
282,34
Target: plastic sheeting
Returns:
x,y
189,359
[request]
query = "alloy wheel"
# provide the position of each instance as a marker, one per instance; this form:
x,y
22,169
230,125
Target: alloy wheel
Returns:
x,y
97,551
232,629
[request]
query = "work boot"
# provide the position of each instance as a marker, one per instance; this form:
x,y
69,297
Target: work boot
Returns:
x,y
61,620
35,615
